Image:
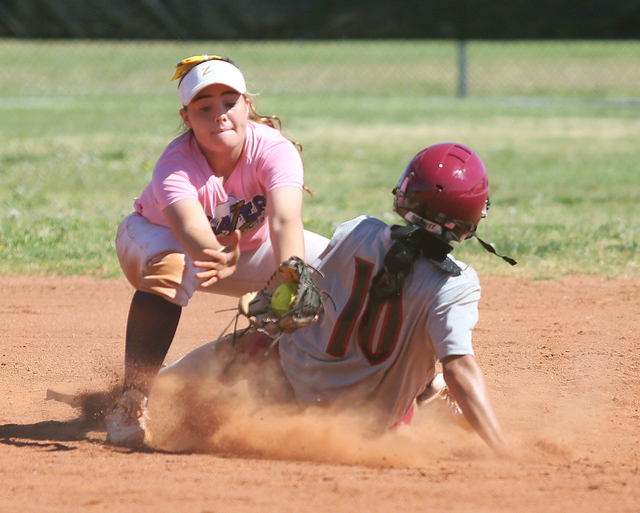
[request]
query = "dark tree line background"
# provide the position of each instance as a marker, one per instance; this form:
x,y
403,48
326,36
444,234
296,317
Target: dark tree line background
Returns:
x,y
320,19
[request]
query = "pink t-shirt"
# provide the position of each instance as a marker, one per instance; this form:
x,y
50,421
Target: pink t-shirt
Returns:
x,y
268,161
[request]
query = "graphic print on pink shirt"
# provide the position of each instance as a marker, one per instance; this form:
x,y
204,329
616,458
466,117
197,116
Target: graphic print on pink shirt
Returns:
x,y
235,214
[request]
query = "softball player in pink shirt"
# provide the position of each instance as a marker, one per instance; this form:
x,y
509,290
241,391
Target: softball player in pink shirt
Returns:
x,y
226,196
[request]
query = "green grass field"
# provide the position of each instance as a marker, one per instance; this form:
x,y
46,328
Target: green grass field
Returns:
x,y
82,123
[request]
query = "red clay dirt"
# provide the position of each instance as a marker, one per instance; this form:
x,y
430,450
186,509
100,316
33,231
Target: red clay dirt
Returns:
x,y
562,360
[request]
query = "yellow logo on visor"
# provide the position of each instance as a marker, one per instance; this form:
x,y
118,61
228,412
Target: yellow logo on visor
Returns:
x,y
186,65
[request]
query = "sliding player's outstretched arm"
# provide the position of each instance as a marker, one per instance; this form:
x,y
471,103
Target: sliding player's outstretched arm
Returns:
x,y
467,384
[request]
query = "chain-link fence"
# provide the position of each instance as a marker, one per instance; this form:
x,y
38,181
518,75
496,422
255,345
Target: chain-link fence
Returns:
x,y
549,69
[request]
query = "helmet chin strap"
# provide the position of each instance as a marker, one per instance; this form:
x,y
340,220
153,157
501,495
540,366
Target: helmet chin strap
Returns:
x,y
491,249
417,223
427,244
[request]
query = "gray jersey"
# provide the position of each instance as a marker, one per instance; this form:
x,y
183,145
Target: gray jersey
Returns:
x,y
378,355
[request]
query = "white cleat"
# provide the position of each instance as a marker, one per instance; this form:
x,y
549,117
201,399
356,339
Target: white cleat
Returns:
x,y
437,390
434,389
126,420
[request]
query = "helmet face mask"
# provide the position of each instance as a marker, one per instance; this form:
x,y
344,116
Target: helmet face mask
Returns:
x,y
444,190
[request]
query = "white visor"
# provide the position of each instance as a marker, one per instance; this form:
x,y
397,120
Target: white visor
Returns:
x,y
207,73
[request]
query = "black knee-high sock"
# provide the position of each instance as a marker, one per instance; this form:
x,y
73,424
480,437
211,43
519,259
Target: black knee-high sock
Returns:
x,y
151,326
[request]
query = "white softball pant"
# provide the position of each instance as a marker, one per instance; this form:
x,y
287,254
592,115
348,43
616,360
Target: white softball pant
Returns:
x,y
154,261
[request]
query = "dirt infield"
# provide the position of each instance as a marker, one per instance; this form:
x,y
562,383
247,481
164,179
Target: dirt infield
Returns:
x,y
562,360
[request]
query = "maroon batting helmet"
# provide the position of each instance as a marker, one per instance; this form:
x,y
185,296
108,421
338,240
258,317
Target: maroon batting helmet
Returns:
x,y
444,190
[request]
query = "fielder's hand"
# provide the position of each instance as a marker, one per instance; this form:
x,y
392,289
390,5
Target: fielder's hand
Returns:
x,y
222,264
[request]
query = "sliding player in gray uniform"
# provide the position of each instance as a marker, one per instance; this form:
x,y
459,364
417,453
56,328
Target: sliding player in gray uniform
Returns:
x,y
399,304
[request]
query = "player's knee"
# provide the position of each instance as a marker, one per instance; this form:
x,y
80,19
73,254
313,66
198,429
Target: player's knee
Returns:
x,y
167,276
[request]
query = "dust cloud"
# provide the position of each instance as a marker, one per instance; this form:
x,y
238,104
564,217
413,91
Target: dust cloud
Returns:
x,y
207,417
